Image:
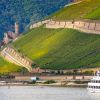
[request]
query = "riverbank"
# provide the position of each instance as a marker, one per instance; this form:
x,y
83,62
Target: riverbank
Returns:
x,y
53,81
50,85
57,84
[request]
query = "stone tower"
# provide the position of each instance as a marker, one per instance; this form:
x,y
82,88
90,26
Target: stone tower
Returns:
x,y
16,28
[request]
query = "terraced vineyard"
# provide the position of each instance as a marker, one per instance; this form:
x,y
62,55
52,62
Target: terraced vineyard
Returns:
x,y
60,48
87,9
94,14
6,67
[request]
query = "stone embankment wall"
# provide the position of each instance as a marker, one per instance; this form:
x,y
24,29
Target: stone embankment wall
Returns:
x,y
38,24
61,78
14,57
88,27
85,26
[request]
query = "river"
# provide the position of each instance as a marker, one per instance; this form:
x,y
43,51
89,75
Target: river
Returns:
x,y
46,93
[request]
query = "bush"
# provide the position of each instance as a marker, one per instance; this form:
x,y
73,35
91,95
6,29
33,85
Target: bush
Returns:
x,y
81,82
32,82
49,82
88,72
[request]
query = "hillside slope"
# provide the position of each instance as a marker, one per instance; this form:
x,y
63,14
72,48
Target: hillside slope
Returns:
x,y
60,48
63,48
87,9
6,67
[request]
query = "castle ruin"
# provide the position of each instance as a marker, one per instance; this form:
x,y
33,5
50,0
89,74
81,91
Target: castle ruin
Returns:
x,y
10,36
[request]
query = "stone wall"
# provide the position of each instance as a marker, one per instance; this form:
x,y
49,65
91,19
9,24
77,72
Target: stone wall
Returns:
x,y
14,57
88,27
85,26
38,24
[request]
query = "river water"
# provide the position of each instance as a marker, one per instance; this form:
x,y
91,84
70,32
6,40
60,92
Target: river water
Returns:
x,y
46,93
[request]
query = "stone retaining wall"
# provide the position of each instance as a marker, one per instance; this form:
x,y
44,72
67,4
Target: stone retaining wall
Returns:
x,y
38,24
88,27
14,57
85,26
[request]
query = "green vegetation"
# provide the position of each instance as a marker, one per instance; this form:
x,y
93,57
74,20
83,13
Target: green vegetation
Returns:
x,y
95,15
88,72
6,67
80,82
89,9
60,48
49,82
25,12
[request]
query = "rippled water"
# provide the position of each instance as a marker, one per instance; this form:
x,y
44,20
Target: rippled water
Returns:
x,y
46,93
